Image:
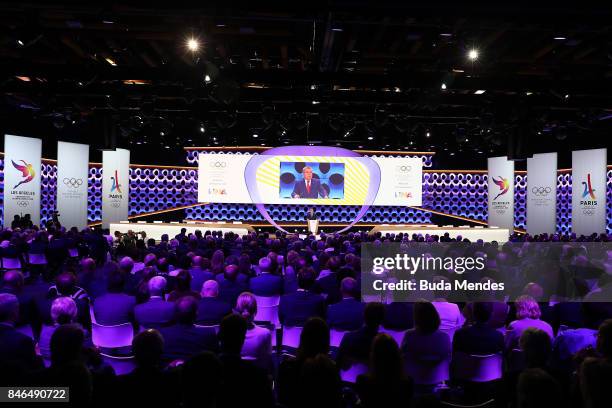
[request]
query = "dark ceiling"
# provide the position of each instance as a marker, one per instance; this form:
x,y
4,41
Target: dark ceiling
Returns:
x,y
357,74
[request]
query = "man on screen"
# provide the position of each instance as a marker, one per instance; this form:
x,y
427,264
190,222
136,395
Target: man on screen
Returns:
x,y
309,187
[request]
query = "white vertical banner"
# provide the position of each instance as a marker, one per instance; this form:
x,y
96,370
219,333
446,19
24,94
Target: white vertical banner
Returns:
x,y
115,186
21,178
501,192
589,191
72,176
542,193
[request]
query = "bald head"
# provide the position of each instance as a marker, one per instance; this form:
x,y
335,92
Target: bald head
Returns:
x,y
88,265
210,288
196,261
13,279
126,264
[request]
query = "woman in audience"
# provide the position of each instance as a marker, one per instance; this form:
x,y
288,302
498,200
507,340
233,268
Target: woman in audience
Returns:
x,y
63,311
314,340
258,342
527,315
385,385
217,262
425,341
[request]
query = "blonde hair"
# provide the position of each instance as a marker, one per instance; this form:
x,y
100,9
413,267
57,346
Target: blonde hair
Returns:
x,y
246,305
527,307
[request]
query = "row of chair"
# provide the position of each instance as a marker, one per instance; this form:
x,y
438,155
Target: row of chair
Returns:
x,y
8,263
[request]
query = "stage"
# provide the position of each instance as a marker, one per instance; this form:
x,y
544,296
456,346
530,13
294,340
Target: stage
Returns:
x,y
487,234
155,230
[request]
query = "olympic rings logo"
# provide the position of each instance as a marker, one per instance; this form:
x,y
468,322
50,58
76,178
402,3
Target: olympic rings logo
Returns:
x,y
541,191
72,182
403,168
22,203
115,205
588,212
218,164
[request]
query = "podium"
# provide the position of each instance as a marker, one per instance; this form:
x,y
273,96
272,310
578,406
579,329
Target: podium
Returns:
x,y
313,226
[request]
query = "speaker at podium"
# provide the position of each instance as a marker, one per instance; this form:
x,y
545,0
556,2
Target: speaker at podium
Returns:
x,y
313,221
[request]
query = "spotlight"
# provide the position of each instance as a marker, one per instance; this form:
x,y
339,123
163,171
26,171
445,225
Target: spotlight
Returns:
x,y
255,135
560,38
370,137
479,91
202,129
162,133
315,102
473,54
443,86
110,61
193,44
428,134
20,43
207,78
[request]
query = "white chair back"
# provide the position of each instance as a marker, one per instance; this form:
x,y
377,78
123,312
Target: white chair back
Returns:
x,y
335,337
37,259
11,263
350,375
291,336
116,336
427,372
477,368
267,309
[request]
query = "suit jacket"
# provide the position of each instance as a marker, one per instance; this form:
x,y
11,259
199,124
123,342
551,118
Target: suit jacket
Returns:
x,y
316,189
114,308
16,352
211,311
355,346
398,316
346,314
478,339
182,341
198,277
266,284
330,286
255,387
230,290
154,313
296,308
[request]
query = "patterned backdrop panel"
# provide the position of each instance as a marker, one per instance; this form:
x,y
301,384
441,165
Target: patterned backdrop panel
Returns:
x,y
160,188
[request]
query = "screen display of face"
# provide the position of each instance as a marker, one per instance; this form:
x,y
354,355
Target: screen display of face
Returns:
x,y
312,180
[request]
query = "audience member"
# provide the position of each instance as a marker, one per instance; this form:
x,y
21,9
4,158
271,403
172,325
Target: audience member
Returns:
x,y
258,340
211,309
155,312
385,384
347,314
183,339
296,308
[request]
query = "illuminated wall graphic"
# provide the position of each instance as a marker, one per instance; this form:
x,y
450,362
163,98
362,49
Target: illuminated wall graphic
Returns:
x,y
463,194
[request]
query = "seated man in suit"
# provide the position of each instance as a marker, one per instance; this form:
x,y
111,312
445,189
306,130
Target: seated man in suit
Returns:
x,y
255,387
17,353
355,346
211,309
266,283
155,312
183,339
114,307
199,274
480,337
328,280
309,187
230,287
295,308
347,314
